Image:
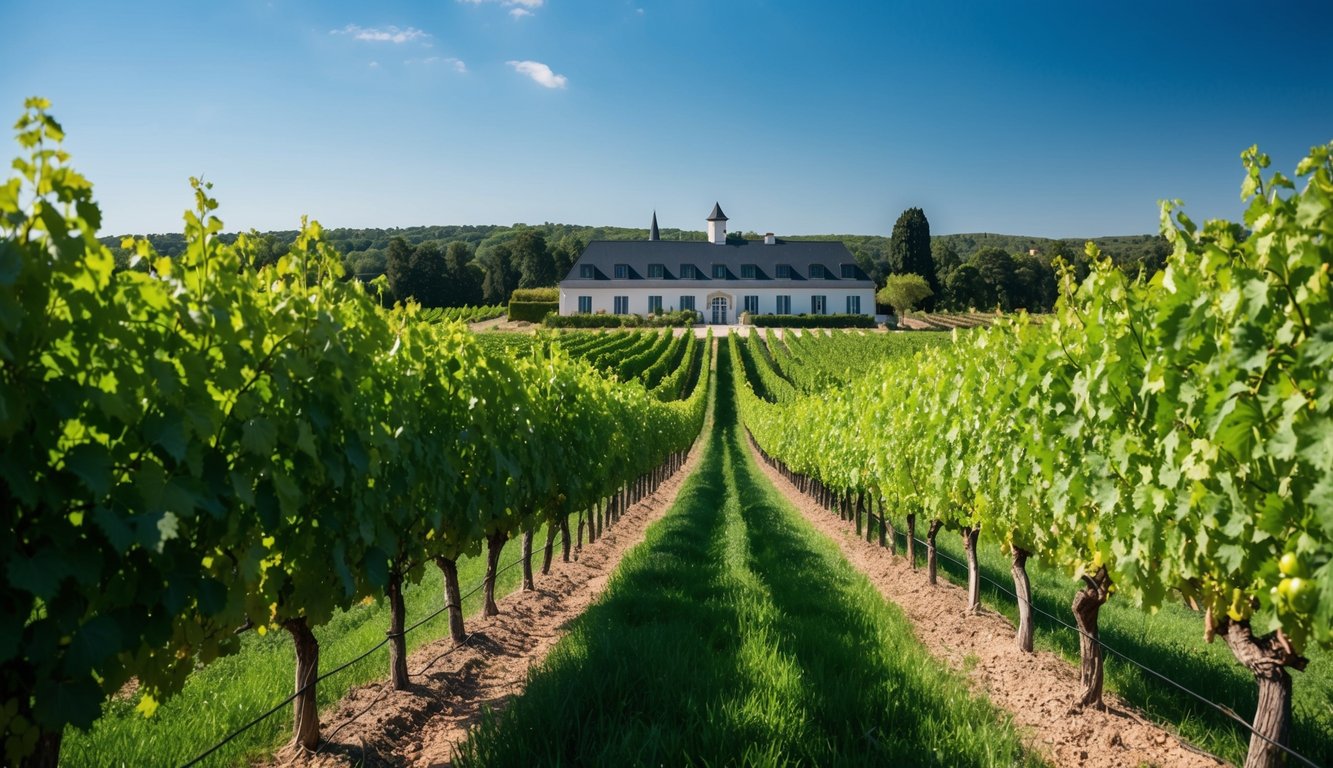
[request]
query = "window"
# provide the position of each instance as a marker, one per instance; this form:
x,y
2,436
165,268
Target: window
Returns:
x,y
687,302
656,271
622,271
749,272
848,271
719,271
817,272
784,271
585,305
752,304
587,271
654,304
853,305
818,305
622,305
689,272
784,305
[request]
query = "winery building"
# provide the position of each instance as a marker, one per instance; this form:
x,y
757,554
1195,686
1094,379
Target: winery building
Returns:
x,y
717,278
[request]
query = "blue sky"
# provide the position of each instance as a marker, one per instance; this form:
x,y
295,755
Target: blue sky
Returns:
x,y
1053,119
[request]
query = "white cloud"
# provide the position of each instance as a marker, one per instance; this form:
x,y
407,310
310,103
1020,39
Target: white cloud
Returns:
x,y
540,73
444,61
374,65
389,34
519,13
639,11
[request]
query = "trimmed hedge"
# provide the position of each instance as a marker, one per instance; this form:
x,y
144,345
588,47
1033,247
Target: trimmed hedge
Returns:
x,y
532,311
812,321
682,318
535,294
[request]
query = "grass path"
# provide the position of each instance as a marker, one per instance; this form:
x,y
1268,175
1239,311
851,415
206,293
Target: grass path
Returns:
x,y
737,635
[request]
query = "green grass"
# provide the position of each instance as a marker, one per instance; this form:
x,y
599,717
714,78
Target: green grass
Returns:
x,y
738,635
232,691
1170,642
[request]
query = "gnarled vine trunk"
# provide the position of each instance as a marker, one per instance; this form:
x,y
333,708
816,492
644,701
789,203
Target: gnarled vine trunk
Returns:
x,y
911,540
1023,591
548,551
528,584
1087,604
1267,657
305,721
494,543
932,562
453,601
973,572
564,538
397,643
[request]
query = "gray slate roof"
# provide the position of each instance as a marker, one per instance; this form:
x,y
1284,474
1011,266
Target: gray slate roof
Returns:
x,y
637,255
717,214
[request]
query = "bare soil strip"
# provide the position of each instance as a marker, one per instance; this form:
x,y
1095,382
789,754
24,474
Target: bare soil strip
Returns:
x,y
376,726
1037,689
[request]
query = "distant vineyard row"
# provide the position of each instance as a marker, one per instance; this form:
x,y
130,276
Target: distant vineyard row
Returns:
x,y
1170,435
192,447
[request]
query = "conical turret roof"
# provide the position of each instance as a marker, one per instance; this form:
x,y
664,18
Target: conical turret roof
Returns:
x,y
652,231
717,214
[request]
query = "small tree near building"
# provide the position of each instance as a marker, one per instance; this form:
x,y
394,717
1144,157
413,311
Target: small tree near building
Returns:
x,y
904,293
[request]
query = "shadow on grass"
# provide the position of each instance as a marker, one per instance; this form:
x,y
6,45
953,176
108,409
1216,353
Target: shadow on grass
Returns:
x,y
733,635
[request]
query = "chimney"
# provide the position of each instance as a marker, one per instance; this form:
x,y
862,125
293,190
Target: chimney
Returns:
x,y
769,239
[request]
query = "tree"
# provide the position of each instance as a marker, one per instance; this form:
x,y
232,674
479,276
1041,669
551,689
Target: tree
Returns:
x,y
500,275
909,248
533,259
904,292
965,287
996,269
398,268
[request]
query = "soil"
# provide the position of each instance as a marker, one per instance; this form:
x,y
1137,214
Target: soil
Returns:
x,y
1038,690
450,687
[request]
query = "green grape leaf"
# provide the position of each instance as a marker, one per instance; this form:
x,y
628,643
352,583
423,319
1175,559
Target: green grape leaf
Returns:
x,y
91,463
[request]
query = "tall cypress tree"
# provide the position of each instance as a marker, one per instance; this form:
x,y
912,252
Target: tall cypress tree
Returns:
x,y
909,249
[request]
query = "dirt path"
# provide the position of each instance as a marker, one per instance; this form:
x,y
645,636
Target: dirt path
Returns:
x,y
1036,689
376,726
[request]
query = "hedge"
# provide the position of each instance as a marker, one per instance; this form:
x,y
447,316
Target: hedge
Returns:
x,y
684,317
535,294
532,311
812,321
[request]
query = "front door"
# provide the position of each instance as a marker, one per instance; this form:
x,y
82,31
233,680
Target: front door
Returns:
x,y
719,310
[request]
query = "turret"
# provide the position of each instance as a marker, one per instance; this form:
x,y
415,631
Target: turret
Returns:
x,y
717,226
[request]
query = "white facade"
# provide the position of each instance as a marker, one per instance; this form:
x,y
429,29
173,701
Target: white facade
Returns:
x,y
719,304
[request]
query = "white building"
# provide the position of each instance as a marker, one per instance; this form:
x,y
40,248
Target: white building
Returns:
x,y
717,278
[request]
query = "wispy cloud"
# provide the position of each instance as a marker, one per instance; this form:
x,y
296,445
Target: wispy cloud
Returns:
x,y
389,34
452,62
517,8
540,73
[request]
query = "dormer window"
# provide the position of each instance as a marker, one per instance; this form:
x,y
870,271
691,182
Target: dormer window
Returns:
x,y
848,271
688,272
719,271
749,272
656,271
784,271
817,272
622,271
587,271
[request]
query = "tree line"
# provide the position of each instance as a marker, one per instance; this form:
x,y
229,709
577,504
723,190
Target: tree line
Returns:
x,y
468,264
